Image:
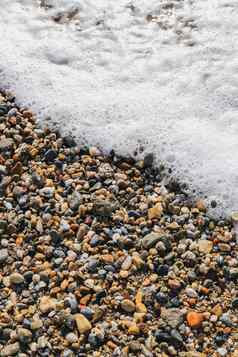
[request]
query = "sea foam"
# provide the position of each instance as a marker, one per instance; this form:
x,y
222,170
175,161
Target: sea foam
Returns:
x,y
161,74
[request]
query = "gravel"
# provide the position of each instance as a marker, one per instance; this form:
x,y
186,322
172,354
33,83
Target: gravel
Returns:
x,y
100,258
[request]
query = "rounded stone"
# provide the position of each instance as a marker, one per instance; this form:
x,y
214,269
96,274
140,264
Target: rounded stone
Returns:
x,y
128,305
16,278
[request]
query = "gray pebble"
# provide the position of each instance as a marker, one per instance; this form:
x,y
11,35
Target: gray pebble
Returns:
x,y
3,255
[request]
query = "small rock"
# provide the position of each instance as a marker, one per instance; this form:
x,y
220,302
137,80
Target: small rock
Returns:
x,y
71,337
194,319
24,335
205,246
174,284
3,255
222,351
69,141
10,350
82,323
217,310
226,320
47,192
191,293
151,239
148,160
50,155
47,304
133,329
156,211
103,208
87,312
224,247
3,224
16,278
128,305
36,324
234,217
173,316
127,263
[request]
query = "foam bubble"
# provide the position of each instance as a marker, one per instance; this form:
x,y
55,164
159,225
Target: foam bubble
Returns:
x,y
120,73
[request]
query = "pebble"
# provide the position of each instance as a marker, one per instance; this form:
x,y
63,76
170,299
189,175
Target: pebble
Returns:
x,y
150,240
71,337
10,350
191,293
222,351
36,324
205,246
126,263
83,324
195,319
128,305
47,304
24,335
156,211
3,255
16,278
173,316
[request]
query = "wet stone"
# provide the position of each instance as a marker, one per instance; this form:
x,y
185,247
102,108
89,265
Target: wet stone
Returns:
x,y
16,278
50,155
10,350
150,240
3,255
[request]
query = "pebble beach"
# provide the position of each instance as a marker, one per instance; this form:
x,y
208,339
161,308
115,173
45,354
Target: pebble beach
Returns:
x,y
100,257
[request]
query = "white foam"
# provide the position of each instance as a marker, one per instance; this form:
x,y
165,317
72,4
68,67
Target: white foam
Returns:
x,y
117,79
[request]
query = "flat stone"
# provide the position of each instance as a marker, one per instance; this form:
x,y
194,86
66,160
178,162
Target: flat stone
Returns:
x,y
127,263
82,323
16,278
224,247
50,155
156,211
128,305
103,208
151,239
36,324
24,335
71,337
191,293
3,255
10,350
195,319
205,246
47,304
173,316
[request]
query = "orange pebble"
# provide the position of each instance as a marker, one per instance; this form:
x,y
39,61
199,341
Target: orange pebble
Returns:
x,y
204,290
194,319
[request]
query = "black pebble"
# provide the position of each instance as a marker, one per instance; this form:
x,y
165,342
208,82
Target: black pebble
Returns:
x,y
163,270
50,155
69,141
